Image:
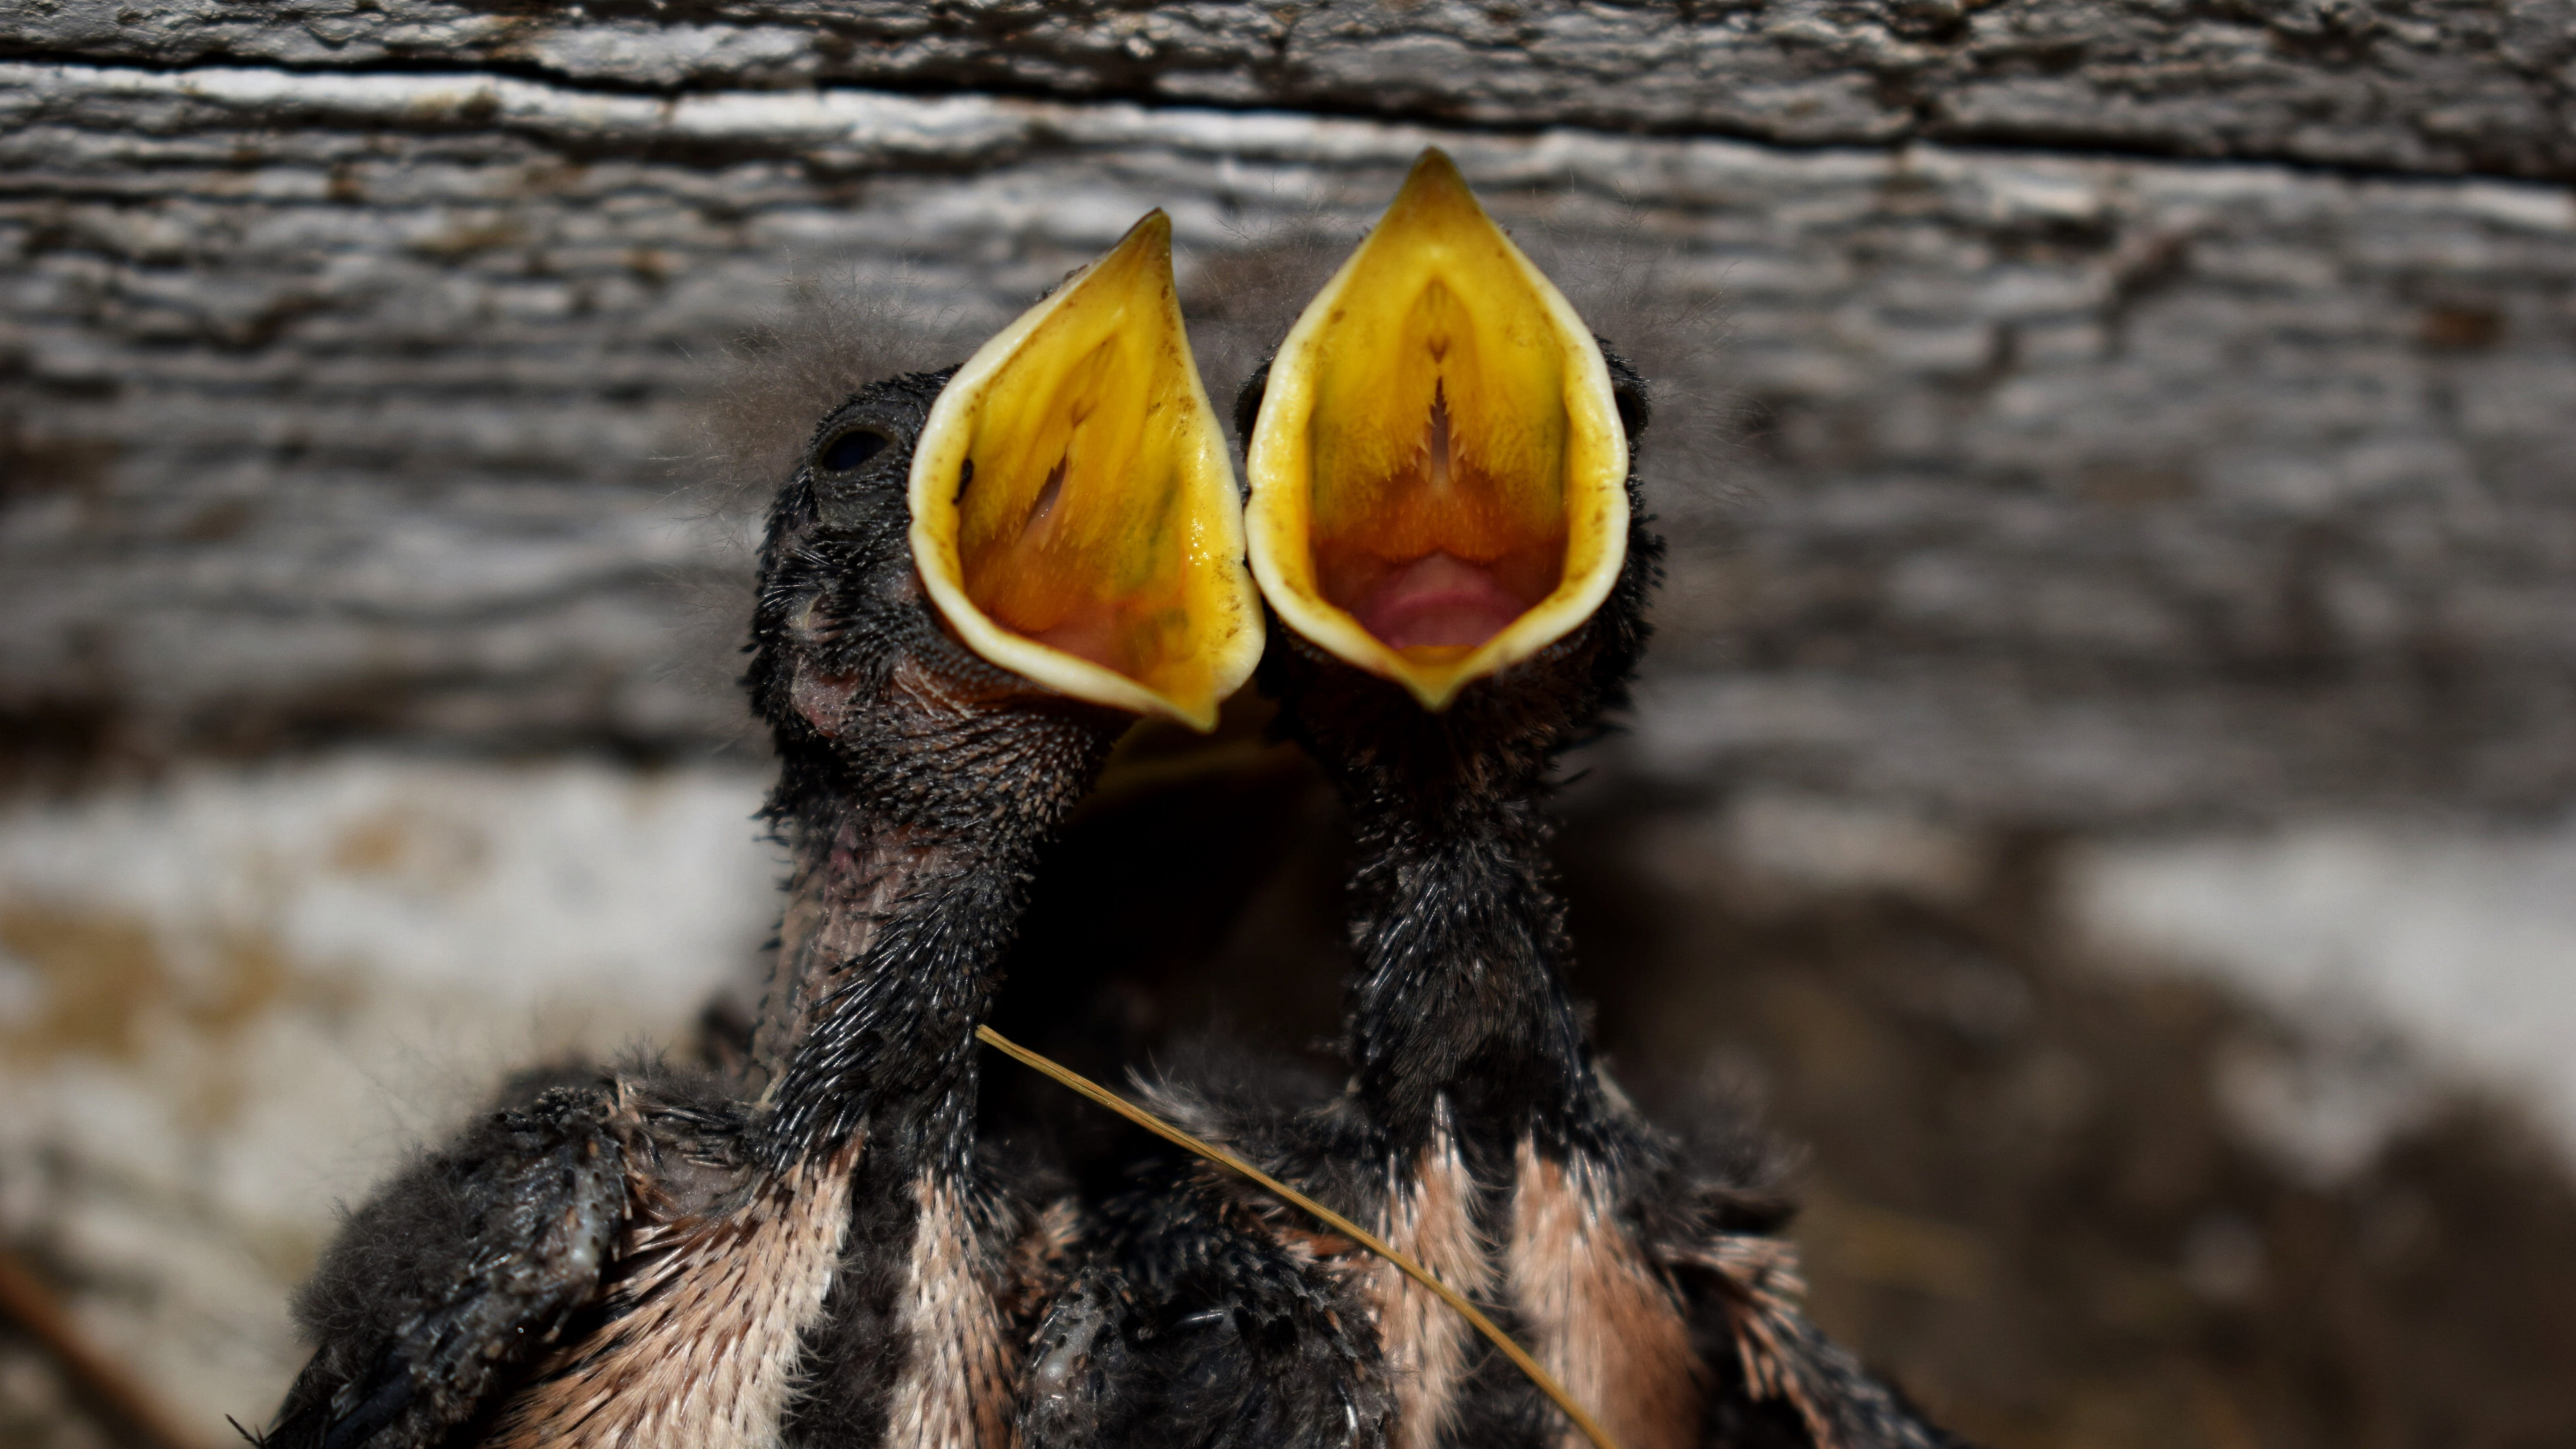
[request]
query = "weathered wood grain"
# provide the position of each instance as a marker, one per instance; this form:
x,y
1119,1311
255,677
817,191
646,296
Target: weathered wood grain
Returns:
x,y
2068,489
2441,85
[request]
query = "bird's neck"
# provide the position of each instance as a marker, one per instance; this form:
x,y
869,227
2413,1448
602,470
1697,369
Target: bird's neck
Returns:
x,y
889,956
1460,1019
853,872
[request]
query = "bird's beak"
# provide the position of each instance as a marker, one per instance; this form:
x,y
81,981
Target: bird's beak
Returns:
x,y
1439,477
1074,514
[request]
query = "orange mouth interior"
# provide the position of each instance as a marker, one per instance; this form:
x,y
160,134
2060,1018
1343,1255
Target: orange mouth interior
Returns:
x,y
1438,473
1439,500
1065,517
1087,504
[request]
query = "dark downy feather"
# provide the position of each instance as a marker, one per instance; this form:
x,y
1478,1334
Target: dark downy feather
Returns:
x,y
468,1266
526,1268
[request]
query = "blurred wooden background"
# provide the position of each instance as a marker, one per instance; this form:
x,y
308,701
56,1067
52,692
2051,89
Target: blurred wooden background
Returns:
x,y
2121,433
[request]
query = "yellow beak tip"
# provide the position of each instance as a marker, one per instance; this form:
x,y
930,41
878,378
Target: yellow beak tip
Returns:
x,y
1435,194
1152,234
1433,168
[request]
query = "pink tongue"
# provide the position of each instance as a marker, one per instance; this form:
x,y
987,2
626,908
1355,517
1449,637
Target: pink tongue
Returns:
x,y
1437,601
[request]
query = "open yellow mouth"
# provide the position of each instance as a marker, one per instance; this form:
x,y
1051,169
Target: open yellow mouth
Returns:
x,y
1074,516
1439,478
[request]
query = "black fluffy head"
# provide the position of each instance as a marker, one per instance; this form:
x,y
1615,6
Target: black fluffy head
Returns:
x,y
873,703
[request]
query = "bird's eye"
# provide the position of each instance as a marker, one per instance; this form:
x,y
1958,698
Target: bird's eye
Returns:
x,y
853,448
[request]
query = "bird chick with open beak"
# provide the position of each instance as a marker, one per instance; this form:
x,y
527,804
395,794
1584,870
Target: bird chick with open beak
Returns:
x,y
1444,521
972,583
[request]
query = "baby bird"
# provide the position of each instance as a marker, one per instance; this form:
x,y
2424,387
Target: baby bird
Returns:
x,y
972,583
1445,524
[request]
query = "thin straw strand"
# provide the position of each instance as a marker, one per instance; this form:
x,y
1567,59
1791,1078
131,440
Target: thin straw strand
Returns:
x,y
1519,1356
